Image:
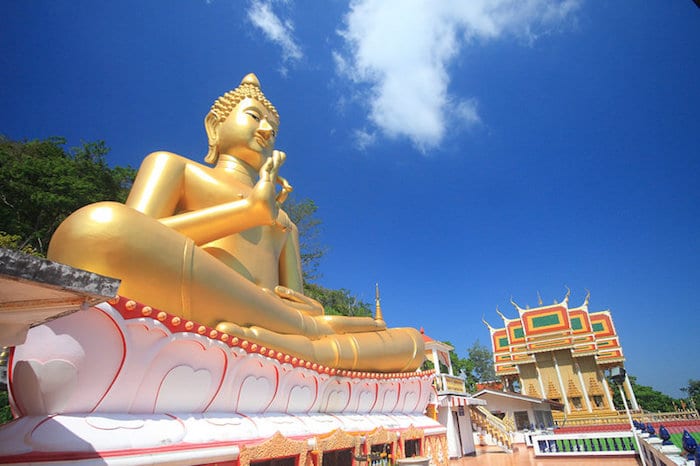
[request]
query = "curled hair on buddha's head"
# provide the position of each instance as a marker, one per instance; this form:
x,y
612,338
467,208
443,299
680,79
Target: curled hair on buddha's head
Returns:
x,y
249,87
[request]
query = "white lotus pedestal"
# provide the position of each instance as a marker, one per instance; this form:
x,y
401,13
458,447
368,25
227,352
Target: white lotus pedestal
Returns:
x,y
122,383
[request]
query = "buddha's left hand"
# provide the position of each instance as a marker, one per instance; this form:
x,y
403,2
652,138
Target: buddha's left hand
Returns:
x,y
299,301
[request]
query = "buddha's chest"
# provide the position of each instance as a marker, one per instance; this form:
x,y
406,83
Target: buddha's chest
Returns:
x,y
203,193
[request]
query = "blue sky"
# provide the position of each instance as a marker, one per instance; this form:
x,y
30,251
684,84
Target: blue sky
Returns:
x,y
460,153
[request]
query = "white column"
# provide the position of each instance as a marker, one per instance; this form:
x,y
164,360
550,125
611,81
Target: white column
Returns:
x,y
583,387
523,389
436,361
561,384
606,388
543,394
633,399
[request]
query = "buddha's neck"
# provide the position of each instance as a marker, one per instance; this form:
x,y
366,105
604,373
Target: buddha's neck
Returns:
x,y
237,168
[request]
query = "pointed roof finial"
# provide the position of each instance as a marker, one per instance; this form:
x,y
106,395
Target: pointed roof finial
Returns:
x,y
568,293
251,79
378,307
514,304
588,296
483,319
539,298
505,319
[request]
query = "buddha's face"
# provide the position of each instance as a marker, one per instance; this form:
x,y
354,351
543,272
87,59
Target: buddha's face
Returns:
x,y
248,133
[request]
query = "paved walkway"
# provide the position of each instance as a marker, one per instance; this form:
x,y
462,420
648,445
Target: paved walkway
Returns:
x,y
522,456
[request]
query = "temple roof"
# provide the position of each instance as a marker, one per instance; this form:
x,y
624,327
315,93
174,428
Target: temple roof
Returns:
x,y
553,327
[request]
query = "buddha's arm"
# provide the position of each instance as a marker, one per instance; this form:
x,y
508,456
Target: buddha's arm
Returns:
x,y
290,260
215,222
158,184
157,190
290,276
212,223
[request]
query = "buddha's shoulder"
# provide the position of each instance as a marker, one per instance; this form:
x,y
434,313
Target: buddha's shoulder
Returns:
x,y
162,157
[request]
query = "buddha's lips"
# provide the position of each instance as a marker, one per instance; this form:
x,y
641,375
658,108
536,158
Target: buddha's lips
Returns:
x,y
262,141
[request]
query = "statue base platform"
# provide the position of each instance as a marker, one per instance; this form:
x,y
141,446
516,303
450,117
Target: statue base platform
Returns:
x,y
122,383
203,438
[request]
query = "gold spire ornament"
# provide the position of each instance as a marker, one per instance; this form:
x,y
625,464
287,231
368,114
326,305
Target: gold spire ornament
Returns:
x,y
377,305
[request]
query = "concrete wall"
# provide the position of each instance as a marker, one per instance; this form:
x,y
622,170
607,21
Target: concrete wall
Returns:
x,y
460,435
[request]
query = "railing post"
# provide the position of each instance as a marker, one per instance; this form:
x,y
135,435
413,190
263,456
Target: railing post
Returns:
x,y
634,431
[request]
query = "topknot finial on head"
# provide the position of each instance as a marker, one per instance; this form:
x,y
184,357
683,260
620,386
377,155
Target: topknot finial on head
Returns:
x,y
251,79
249,87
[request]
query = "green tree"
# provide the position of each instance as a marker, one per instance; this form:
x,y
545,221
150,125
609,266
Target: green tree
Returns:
x,y
482,359
648,398
15,242
335,302
41,183
693,392
5,412
463,366
338,302
302,213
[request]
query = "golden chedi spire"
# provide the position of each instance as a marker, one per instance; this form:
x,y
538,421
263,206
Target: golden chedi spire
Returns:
x,y
377,305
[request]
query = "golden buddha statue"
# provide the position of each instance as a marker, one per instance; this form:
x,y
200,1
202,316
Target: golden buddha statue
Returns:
x,y
212,245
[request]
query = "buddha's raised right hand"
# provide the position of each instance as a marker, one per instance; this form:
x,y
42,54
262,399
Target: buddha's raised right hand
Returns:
x,y
263,198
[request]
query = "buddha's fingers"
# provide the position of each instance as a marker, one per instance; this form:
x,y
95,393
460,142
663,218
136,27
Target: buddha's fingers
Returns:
x,y
299,300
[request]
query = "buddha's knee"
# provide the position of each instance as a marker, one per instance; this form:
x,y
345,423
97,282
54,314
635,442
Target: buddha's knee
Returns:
x,y
108,238
84,232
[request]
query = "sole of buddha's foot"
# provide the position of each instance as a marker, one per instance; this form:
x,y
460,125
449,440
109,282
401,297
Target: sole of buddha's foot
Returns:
x,y
230,328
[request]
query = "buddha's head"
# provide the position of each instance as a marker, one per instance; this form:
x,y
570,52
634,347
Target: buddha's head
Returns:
x,y
243,123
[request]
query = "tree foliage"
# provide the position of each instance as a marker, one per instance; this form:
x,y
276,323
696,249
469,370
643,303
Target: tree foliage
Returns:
x,y
5,412
648,398
463,367
482,358
476,367
335,302
41,183
302,213
16,242
338,302
693,392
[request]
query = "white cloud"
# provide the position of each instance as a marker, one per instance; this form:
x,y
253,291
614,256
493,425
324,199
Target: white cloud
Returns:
x,y
275,29
364,138
399,52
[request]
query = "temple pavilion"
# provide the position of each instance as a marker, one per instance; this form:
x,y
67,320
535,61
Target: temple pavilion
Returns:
x,y
561,353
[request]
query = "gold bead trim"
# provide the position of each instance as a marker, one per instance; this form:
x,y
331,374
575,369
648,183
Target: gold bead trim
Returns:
x,y
130,309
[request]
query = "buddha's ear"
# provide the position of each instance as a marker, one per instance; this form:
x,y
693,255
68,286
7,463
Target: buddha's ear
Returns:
x,y
211,125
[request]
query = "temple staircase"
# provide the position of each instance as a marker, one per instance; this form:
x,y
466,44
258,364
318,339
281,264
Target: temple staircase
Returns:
x,y
493,426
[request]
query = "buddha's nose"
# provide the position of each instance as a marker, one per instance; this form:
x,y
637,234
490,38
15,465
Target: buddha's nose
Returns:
x,y
265,129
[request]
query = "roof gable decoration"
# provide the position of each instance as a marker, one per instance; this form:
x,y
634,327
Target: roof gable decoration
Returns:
x,y
547,320
572,389
552,391
602,325
533,391
499,338
594,388
580,321
514,327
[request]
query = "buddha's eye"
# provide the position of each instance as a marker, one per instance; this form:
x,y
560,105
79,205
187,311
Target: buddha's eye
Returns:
x,y
253,116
